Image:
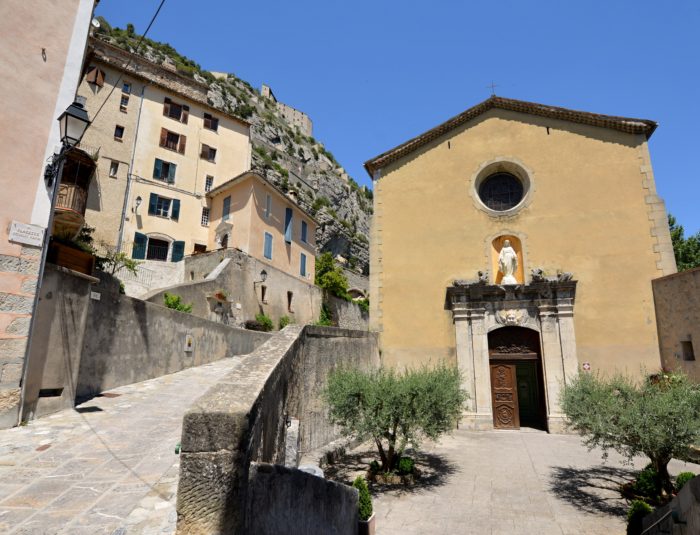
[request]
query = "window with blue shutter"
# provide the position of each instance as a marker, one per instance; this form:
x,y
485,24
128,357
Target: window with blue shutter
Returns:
x,y
152,203
304,231
226,211
158,168
268,206
288,225
178,251
302,265
171,173
267,251
175,214
139,249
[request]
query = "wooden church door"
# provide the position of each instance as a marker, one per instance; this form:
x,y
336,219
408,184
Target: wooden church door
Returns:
x,y
504,396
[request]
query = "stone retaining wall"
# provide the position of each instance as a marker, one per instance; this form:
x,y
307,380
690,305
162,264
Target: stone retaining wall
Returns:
x,y
243,419
347,314
681,516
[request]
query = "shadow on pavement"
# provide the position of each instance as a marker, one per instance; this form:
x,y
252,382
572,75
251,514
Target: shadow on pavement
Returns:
x,y
434,472
596,489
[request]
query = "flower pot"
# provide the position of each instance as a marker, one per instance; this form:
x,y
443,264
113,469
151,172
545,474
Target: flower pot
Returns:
x,y
366,527
71,258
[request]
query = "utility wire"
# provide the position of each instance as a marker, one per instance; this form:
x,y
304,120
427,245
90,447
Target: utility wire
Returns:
x,y
123,70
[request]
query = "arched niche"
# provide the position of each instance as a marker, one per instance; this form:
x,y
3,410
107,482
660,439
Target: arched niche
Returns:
x,y
496,246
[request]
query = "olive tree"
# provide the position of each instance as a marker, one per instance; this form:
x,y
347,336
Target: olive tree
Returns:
x,y
658,417
395,409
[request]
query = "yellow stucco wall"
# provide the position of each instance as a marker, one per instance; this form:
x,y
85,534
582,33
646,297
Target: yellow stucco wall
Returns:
x,y
248,201
592,210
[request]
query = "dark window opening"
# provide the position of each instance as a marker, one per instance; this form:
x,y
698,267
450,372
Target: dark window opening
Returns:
x,y
687,350
198,248
157,249
263,293
211,123
118,132
179,112
290,297
208,153
501,191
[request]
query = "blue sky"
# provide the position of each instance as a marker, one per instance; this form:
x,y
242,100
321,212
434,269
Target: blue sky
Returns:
x,y
372,74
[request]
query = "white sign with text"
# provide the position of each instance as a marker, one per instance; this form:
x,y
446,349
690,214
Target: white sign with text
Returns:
x,y
26,234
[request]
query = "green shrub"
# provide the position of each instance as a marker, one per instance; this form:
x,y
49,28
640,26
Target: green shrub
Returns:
x,y
682,479
324,318
406,465
284,321
374,467
365,502
175,302
265,321
330,278
638,510
647,483
395,409
363,304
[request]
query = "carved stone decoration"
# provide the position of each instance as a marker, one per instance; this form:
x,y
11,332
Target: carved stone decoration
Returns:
x,y
508,263
537,275
512,349
483,276
564,276
510,317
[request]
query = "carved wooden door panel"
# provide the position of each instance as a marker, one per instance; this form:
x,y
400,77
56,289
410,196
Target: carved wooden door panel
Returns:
x,y
504,395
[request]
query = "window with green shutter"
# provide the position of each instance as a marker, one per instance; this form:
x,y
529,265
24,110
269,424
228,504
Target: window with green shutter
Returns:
x,y
138,251
178,251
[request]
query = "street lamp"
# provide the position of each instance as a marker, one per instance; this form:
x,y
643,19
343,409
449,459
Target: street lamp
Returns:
x,y
73,123
263,278
137,203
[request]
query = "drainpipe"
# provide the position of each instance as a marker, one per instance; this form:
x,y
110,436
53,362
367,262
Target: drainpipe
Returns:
x,y
127,191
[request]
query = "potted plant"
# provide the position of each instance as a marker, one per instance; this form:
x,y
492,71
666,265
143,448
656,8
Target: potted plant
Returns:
x,y
220,295
366,514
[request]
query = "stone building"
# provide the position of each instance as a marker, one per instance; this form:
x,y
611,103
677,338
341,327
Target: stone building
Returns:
x,y
677,304
519,241
291,115
162,147
41,54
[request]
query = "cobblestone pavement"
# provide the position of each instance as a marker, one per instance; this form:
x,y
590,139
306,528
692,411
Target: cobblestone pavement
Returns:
x,y
510,482
108,467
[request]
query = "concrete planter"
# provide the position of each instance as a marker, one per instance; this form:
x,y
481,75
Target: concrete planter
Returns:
x,y
367,527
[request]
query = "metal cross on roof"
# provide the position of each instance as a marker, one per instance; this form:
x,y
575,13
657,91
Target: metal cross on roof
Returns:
x,y
492,87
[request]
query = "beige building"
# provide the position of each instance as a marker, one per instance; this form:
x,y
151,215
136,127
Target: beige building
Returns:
x,y
519,241
677,304
41,56
162,147
249,213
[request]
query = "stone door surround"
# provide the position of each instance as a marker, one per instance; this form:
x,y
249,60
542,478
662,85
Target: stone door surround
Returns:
x,y
543,306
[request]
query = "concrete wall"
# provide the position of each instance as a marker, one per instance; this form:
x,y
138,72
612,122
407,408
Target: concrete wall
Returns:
x,y
677,303
242,419
591,209
687,507
289,501
41,57
151,275
239,279
90,338
347,314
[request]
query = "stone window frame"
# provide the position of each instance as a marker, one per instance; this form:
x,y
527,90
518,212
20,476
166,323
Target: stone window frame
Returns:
x,y
502,164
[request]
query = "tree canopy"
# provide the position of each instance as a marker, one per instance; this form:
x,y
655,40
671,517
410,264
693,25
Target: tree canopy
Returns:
x,y
686,250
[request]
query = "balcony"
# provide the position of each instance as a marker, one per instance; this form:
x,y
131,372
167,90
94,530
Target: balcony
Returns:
x,y
71,201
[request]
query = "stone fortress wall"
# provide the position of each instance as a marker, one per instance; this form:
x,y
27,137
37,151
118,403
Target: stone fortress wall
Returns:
x,y
292,115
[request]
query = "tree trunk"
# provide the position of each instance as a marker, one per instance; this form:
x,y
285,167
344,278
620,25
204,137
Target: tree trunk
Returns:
x,y
382,454
661,467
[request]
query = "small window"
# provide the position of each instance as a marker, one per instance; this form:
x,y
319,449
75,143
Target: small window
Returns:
x,y
205,217
211,123
226,210
126,88
263,293
288,225
118,132
687,350
208,153
163,170
198,248
157,249
208,183
172,140
179,112
268,206
302,265
95,76
290,298
123,103
163,207
113,169
267,251
501,191
304,232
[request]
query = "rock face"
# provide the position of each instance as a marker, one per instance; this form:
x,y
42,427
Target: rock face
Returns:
x,y
299,165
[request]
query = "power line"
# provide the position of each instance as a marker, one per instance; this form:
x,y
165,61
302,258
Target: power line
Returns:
x,y
123,70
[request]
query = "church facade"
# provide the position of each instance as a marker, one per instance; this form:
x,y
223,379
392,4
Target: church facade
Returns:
x,y
519,241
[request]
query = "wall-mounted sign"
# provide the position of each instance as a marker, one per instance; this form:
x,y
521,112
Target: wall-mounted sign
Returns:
x,y
26,234
189,343
586,366
95,295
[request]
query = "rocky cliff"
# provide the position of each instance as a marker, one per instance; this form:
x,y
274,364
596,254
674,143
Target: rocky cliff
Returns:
x,y
299,165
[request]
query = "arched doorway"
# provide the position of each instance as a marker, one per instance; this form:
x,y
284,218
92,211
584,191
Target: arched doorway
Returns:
x,y
517,385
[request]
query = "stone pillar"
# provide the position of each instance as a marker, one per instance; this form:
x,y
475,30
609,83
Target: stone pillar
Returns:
x,y
465,357
483,415
553,366
568,339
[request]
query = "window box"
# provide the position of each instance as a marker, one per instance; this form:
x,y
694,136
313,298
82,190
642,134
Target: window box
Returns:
x,y
69,257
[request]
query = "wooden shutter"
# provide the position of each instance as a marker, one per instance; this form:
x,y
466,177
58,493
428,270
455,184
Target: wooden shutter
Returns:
x,y
288,225
166,107
205,151
185,114
163,137
175,212
207,121
139,249
214,124
181,146
178,251
152,203
100,78
158,168
91,76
